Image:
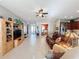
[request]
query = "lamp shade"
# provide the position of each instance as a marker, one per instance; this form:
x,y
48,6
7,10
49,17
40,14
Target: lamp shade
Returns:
x,y
72,38
71,35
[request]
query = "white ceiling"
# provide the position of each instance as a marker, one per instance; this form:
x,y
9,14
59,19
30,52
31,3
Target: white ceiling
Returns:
x,y
56,8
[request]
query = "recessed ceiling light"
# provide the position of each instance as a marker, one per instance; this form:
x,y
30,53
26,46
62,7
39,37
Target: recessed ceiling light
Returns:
x,y
78,11
65,17
71,17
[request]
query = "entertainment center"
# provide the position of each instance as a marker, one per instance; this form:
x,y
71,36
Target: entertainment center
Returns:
x,y
11,34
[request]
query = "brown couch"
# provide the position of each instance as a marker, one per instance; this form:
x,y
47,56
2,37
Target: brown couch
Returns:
x,y
57,55
51,40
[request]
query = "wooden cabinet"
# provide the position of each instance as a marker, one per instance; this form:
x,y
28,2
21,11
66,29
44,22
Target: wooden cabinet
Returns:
x,y
68,25
77,25
72,26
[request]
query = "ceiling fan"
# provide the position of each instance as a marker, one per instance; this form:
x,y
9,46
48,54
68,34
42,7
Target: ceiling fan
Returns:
x,y
41,13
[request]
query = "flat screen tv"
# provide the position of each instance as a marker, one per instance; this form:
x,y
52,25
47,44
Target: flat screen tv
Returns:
x,y
17,33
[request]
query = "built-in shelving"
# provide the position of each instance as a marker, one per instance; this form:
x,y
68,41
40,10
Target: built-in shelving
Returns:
x,y
7,39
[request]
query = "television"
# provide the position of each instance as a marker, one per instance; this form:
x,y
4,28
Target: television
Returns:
x,y
17,33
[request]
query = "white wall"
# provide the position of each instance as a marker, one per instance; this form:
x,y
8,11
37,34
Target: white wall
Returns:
x,y
52,26
25,28
6,13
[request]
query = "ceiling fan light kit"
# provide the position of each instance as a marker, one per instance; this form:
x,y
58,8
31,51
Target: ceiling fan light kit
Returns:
x,y
41,13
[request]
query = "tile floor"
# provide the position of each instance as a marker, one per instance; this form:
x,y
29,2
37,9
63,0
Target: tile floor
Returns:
x,y
32,48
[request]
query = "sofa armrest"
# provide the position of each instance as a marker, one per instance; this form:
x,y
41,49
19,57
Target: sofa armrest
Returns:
x,y
57,55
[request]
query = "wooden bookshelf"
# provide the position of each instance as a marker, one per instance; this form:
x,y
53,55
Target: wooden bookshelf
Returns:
x,y
6,38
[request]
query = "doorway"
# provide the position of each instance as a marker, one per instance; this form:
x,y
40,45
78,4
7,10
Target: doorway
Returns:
x,y
44,28
33,29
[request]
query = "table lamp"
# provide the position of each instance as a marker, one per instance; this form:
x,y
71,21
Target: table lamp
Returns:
x,y
72,37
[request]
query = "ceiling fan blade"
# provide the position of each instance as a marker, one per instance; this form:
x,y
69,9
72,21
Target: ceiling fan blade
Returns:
x,y
41,10
45,13
42,16
37,15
